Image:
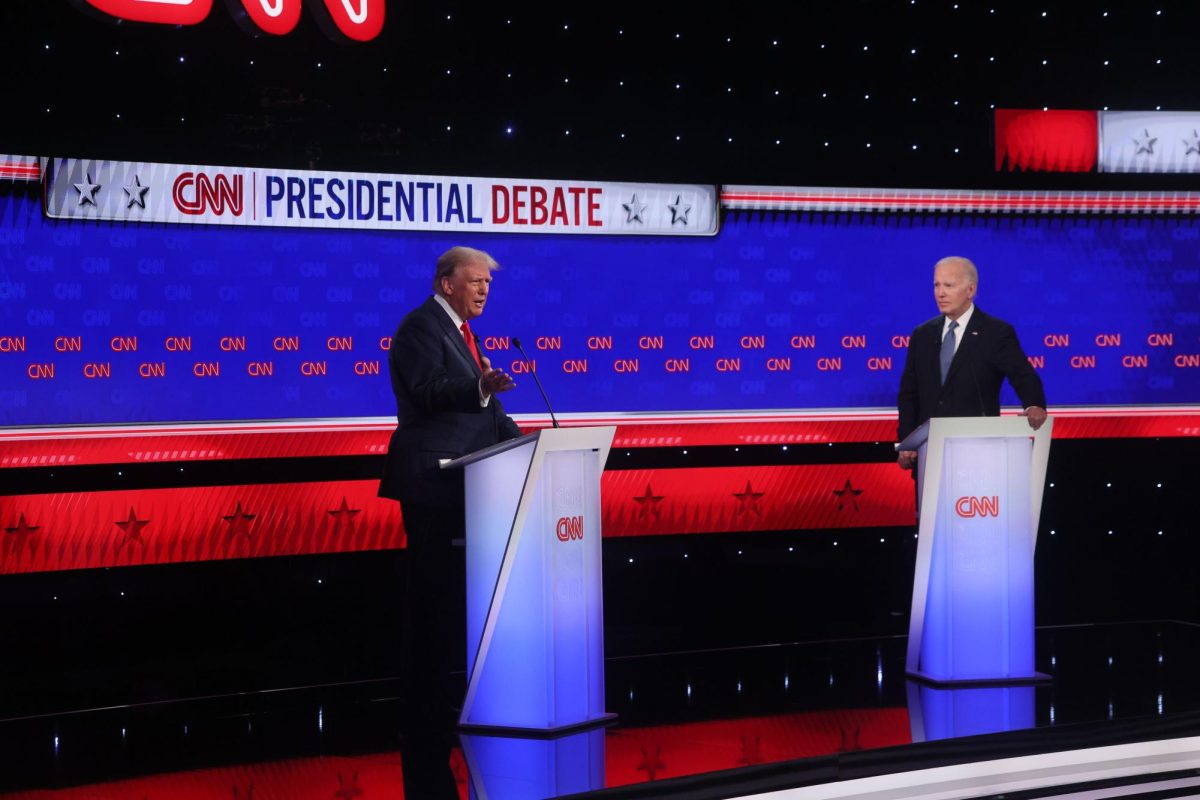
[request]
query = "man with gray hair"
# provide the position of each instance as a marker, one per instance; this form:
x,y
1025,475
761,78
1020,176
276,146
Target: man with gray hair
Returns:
x,y
957,361
446,406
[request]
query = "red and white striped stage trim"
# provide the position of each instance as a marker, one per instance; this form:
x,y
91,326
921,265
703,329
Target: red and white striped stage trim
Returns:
x,y
807,198
20,168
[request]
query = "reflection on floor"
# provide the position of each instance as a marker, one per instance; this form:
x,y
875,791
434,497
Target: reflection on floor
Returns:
x,y
679,715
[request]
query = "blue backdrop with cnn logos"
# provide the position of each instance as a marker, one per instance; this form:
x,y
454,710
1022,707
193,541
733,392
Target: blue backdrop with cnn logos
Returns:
x,y
110,322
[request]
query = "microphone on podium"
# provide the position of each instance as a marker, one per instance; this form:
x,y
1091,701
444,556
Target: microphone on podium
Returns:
x,y
525,359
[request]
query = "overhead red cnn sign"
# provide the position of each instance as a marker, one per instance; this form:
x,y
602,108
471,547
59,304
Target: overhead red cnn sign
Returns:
x,y
356,20
276,17
360,20
161,12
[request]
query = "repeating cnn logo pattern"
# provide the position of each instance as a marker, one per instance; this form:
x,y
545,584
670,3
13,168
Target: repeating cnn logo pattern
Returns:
x,y
356,20
569,528
197,193
978,506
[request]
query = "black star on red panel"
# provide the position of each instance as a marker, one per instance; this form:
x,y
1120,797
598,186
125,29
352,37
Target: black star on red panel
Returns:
x,y
348,789
748,501
21,533
239,522
850,739
649,504
651,764
751,751
132,528
850,490
343,513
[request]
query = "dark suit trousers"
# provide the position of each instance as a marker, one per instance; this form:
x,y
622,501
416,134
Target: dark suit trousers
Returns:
x,y
434,612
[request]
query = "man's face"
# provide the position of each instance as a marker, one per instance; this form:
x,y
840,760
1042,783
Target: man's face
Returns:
x,y
952,290
467,289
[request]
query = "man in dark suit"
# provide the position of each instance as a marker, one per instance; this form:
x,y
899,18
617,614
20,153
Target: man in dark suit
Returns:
x,y
957,361
446,406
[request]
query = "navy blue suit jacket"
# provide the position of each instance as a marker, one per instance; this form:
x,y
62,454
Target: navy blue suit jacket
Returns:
x,y
436,383
988,353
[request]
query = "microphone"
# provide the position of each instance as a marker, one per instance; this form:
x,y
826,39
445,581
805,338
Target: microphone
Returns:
x,y
533,372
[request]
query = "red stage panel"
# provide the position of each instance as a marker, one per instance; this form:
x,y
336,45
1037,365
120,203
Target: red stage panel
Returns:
x,y
637,755
34,447
59,531
632,755
45,532
728,499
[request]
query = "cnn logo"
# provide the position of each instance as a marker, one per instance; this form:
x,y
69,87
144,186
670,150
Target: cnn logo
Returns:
x,y
569,528
978,506
196,193
353,20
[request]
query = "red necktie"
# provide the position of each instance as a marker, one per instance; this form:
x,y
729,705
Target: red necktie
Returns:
x,y
470,337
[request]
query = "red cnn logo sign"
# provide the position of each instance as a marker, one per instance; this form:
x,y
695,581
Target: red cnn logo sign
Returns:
x,y
196,193
276,17
978,506
171,12
569,528
356,20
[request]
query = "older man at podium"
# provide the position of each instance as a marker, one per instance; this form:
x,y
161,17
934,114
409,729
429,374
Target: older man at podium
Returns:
x,y
446,407
957,361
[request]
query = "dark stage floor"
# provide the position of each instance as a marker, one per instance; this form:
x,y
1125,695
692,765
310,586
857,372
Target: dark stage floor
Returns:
x,y
775,715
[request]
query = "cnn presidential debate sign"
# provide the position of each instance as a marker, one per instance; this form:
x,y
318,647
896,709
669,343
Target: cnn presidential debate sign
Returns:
x,y
160,293
139,192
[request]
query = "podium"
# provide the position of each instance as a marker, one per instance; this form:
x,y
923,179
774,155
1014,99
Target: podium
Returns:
x,y
524,768
979,485
941,712
535,610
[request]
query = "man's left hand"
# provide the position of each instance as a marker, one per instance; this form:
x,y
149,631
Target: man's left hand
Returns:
x,y
1036,415
494,381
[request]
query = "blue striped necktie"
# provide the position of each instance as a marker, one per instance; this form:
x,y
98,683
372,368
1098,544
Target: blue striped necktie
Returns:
x,y
947,354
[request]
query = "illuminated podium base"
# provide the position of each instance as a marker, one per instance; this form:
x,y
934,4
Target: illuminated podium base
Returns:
x,y
508,768
980,482
535,609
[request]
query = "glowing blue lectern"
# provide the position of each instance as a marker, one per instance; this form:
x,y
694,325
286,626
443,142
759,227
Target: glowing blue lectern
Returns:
x,y
532,768
535,610
944,712
979,483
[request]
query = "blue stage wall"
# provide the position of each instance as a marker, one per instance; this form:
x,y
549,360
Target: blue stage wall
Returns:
x,y
778,311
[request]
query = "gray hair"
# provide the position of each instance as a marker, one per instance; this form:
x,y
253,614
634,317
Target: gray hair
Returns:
x,y
971,272
456,257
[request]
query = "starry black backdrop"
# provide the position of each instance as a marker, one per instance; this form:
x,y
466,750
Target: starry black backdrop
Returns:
x,y
896,93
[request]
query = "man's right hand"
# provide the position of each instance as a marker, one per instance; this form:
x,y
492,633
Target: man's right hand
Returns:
x,y
907,459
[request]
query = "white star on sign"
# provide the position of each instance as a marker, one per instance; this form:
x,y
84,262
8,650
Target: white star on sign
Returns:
x,y
87,190
1145,145
634,210
1192,144
679,211
136,192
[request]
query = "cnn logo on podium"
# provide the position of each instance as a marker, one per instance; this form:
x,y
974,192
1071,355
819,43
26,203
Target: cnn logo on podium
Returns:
x,y
978,506
569,528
